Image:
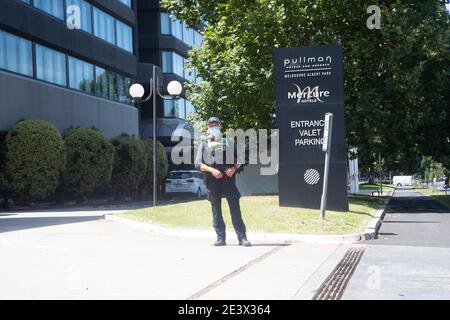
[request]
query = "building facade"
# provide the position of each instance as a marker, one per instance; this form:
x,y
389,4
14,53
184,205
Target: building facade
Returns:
x,y
77,72
69,77
164,41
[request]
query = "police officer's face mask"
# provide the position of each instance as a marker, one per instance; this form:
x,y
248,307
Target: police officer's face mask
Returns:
x,y
216,133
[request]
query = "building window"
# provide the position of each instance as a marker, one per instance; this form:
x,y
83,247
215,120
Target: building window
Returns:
x,y
167,62
188,35
171,26
126,2
50,65
180,108
123,86
177,28
104,27
81,75
105,84
124,36
165,23
174,109
53,7
173,63
86,13
169,109
16,54
189,108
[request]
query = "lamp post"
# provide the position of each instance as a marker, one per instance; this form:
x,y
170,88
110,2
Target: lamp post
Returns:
x,y
137,91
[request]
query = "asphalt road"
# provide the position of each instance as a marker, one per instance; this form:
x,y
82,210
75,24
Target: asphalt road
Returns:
x,y
411,257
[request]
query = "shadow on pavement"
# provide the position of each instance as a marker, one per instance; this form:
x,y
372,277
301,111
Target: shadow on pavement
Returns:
x,y
411,221
14,224
416,205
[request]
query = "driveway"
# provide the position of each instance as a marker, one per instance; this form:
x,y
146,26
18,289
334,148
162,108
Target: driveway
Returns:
x,y
411,257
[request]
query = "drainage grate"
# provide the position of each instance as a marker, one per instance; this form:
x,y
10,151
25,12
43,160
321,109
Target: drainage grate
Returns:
x,y
334,285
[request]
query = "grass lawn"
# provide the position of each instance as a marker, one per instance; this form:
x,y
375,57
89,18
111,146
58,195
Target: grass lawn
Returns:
x,y
437,195
374,186
262,213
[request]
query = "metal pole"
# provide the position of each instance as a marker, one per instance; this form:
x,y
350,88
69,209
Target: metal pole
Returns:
x,y
381,173
323,203
327,148
154,83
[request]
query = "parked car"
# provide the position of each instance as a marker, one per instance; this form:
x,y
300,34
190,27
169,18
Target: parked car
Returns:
x,y
186,182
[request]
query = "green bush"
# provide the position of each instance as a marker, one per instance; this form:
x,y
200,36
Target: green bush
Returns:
x,y
89,162
34,159
3,135
130,165
162,164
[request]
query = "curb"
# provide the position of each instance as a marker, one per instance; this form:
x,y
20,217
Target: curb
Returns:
x,y
374,225
369,232
286,237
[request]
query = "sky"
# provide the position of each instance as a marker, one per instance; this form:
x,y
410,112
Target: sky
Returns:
x,y
448,7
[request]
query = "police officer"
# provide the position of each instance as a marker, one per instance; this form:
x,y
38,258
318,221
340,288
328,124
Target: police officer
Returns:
x,y
214,158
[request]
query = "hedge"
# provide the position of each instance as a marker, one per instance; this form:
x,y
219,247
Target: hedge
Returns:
x,y
162,163
89,165
130,165
34,159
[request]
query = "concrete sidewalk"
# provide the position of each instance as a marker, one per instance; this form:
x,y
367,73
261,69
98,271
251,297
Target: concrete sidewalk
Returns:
x,y
84,257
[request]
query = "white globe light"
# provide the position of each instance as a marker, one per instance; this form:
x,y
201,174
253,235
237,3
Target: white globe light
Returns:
x,y
174,88
137,91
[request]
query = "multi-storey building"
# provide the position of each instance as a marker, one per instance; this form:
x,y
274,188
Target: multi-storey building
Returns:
x,y
79,76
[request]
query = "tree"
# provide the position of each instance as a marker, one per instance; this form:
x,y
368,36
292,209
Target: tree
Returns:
x,y
34,159
130,165
430,170
396,78
90,158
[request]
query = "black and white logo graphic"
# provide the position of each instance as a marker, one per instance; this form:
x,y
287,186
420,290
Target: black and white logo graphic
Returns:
x,y
308,94
312,177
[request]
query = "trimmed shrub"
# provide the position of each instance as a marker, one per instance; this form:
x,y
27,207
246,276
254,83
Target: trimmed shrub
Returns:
x,y
162,164
3,184
34,159
89,163
130,165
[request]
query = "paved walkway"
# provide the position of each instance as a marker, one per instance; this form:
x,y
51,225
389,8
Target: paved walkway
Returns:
x,y
411,257
79,255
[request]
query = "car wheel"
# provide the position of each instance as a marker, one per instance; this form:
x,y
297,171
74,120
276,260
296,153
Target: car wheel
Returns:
x,y
199,193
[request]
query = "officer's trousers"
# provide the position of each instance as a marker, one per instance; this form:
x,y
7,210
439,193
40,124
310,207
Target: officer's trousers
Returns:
x,y
226,187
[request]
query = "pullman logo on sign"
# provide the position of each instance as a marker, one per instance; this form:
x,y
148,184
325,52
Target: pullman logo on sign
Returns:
x,y
303,61
308,94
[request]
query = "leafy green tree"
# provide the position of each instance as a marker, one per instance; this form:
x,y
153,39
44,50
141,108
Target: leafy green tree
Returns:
x,y
396,78
430,170
34,159
130,165
90,157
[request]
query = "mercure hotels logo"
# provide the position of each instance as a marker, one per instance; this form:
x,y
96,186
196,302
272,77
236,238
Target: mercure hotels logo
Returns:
x,y
308,94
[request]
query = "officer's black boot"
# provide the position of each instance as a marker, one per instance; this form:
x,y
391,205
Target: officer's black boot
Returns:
x,y
220,243
245,243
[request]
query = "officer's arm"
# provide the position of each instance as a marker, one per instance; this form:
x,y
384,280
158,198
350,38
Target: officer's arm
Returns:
x,y
199,165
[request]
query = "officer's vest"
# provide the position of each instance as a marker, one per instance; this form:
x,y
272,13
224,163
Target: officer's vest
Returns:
x,y
218,152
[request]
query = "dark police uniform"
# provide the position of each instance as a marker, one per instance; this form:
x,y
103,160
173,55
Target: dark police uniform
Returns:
x,y
216,157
